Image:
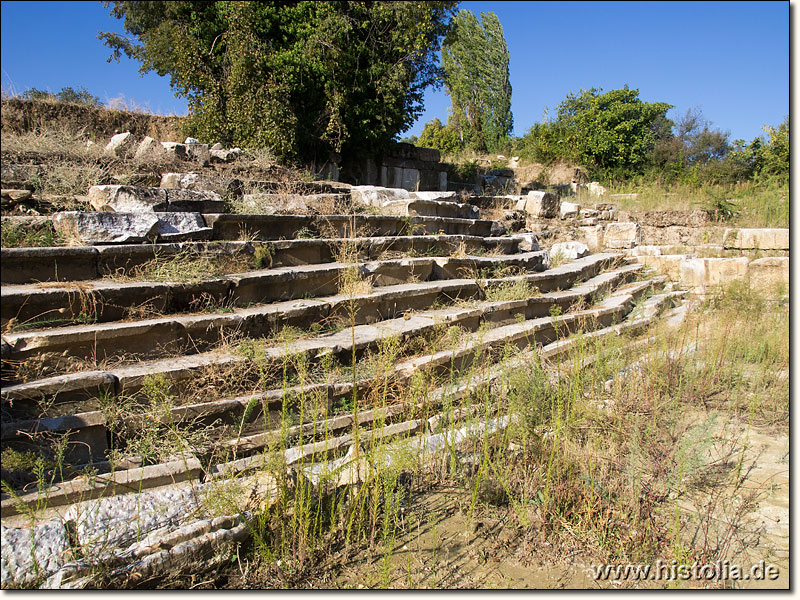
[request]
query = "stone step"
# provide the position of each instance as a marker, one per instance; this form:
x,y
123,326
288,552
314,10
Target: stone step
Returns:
x,y
270,203
233,186
173,333
79,263
275,227
166,529
124,228
531,333
131,227
75,391
172,512
102,301
135,199
495,313
431,208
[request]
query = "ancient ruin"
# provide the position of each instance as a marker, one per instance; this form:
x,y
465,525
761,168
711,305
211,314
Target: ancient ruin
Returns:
x,y
200,336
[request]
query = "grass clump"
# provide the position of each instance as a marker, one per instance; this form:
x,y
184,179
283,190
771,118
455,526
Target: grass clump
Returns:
x,y
514,289
19,236
746,204
190,266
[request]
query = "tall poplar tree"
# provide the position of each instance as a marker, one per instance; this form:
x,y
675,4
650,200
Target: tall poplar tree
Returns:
x,y
475,60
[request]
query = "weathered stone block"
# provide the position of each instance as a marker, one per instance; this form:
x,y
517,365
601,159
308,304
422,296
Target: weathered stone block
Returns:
x,y
174,150
667,264
395,177
149,149
569,250
121,145
129,228
443,181
592,236
127,198
446,196
569,210
390,177
702,272
410,179
222,156
371,195
106,227
172,224
195,181
540,204
595,189
763,239
528,242
198,152
10,197
622,235
647,251
428,154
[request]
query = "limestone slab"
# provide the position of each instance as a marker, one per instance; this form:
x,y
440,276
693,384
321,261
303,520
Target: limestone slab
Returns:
x,y
703,272
569,210
224,186
106,227
569,250
622,235
443,196
372,195
149,149
121,145
539,204
174,150
127,198
761,239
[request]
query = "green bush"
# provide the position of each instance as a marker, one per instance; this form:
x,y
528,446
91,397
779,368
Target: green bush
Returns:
x,y
67,95
443,138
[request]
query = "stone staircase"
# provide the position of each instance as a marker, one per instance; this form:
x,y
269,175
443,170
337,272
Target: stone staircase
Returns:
x,y
304,344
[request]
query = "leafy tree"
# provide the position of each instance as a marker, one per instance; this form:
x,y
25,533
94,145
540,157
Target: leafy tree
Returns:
x,y
475,60
774,155
79,96
741,163
545,142
614,132
301,78
443,138
693,146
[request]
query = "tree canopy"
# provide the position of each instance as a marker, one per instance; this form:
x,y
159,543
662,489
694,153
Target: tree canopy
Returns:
x,y
475,60
612,133
301,78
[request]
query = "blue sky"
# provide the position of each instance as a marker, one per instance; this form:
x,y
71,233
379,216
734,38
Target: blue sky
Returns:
x,y
728,59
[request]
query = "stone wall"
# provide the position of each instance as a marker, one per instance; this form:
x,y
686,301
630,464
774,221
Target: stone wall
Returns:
x,y
402,166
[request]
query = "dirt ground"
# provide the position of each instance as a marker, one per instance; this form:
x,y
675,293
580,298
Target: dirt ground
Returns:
x,y
438,546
